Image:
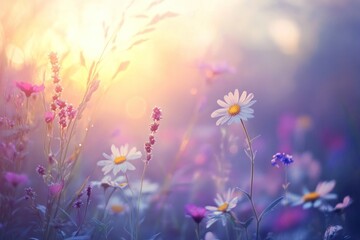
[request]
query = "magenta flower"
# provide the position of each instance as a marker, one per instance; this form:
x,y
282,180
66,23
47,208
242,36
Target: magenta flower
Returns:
x,y
49,117
156,114
15,179
197,213
29,89
56,188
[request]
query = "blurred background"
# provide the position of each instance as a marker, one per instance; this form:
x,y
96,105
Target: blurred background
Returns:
x,y
301,59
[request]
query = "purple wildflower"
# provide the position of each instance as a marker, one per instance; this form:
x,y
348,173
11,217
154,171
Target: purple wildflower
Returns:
x,y
56,188
40,170
29,193
197,213
154,127
286,159
156,114
78,203
15,179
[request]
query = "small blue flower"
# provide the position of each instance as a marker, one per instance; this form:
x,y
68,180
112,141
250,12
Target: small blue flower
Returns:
x,y
286,159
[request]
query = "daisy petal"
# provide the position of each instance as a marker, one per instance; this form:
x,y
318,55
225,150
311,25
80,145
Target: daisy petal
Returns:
x,y
219,112
236,96
222,103
135,155
222,120
242,97
130,166
117,169
103,162
107,169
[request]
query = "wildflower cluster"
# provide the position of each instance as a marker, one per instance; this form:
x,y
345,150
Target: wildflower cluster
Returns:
x,y
29,193
283,158
156,116
66,112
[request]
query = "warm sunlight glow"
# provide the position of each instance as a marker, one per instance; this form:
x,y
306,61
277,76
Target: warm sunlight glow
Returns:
x,y
135,107
286,34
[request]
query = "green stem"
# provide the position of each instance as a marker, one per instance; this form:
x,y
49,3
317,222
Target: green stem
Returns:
x,y
107,202
252,158
252,179
139,200
132,224
197,231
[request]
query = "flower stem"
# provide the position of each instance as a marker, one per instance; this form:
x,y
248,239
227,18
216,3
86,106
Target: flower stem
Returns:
x,y
139,200
252,156
197,231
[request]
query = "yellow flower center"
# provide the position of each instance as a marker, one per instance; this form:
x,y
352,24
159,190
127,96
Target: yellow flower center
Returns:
x,y
117,208
234,110
223,207
310,197
119,160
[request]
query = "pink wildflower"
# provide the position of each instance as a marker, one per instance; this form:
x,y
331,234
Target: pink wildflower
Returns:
x,y
196,213
156,114
16,179
28,88
49,117
56,188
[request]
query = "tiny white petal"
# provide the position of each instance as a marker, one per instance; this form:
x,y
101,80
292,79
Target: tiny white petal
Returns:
x,y
242,97
236,96
219,112
211,208
103,162
130,166
107,169
222,103
116,169
106,156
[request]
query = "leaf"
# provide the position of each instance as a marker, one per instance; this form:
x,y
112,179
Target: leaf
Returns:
x,y
145,31
82,187
122,67
247,222
69,217
160,17
155,236
82,59
137,43
78,238
91,71
154,3
118,28
270,207
141,16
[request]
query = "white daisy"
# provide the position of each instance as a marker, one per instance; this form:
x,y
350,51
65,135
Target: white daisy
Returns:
x,y
116,206
119,160
316,198
119,182
148,192
224,205
235,108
